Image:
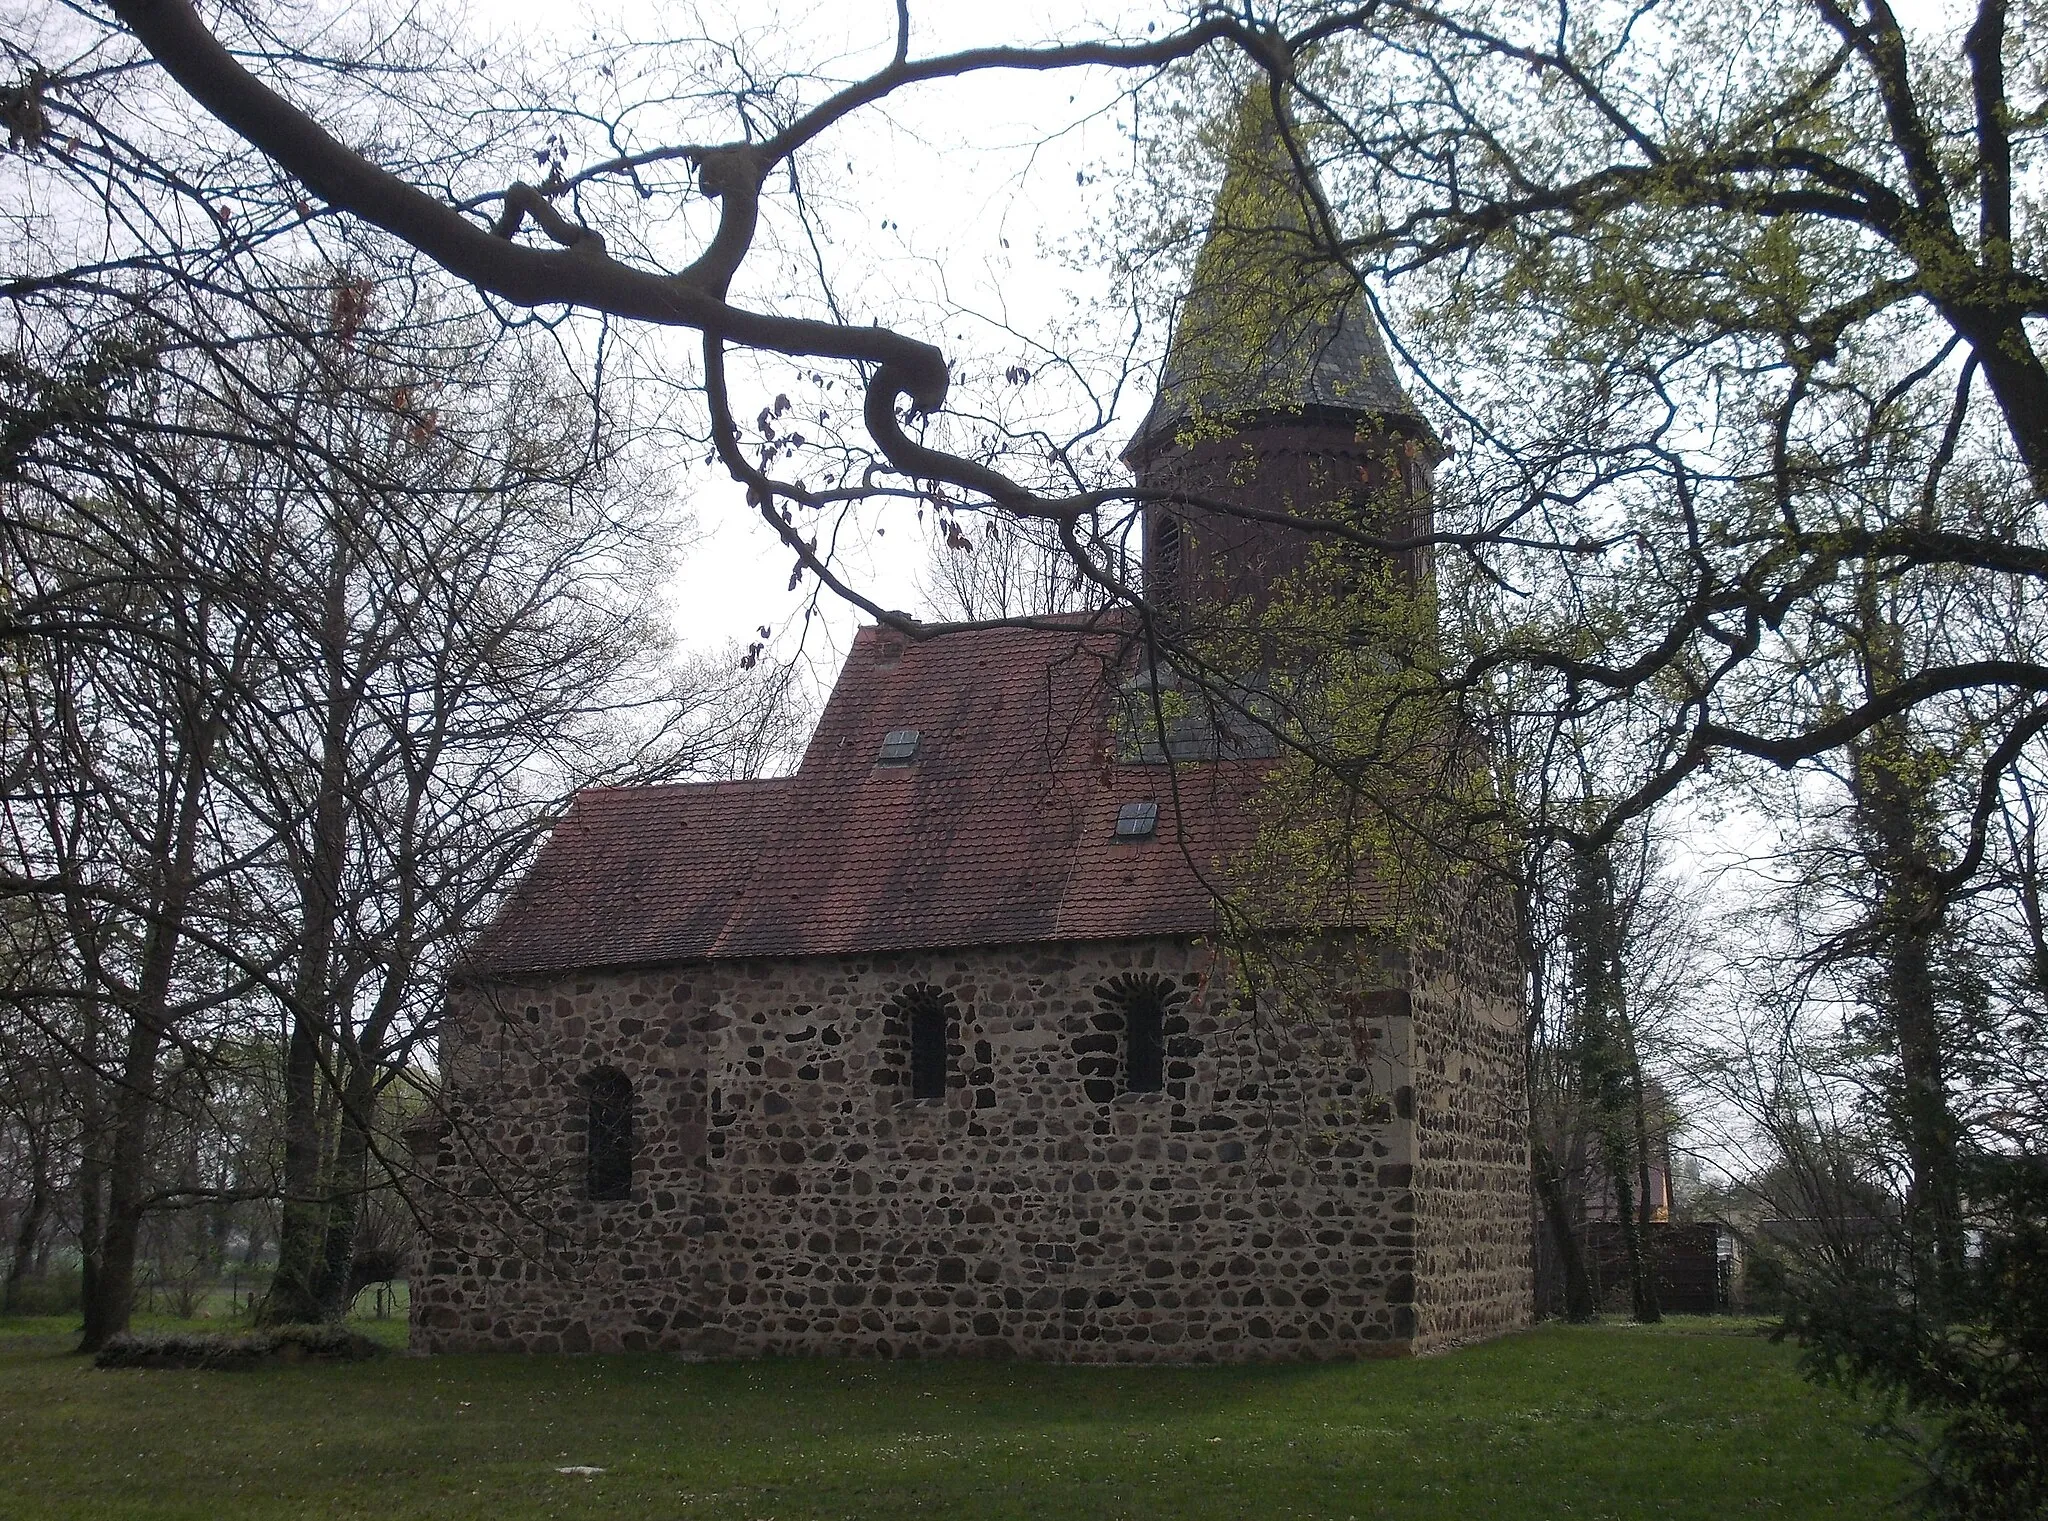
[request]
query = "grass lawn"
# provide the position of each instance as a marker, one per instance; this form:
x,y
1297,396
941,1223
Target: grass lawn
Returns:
x,y
1696,1419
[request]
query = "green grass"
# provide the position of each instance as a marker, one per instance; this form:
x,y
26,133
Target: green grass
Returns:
x,y
1696,1419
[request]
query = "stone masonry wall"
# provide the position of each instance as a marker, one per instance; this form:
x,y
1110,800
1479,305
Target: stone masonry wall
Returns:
x,y
1473,1268
787,1196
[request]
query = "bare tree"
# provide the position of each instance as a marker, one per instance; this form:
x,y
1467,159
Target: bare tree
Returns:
x,y
317,630
122,733
460,639
1014,570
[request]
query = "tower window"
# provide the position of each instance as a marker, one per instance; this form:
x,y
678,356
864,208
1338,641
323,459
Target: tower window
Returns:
x,y
608,1134
1162,576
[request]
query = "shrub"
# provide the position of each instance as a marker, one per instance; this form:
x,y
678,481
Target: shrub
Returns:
x,y
51,1294
1967,1394
284,1344
1764,1281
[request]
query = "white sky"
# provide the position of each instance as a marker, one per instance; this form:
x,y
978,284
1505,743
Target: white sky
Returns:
x,y
966,190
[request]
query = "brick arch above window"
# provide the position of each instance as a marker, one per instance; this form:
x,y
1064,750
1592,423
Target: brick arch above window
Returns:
x,y
1138,1040
920,1044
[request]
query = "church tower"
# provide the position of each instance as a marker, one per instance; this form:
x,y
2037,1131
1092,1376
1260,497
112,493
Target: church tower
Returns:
x,y
1277,397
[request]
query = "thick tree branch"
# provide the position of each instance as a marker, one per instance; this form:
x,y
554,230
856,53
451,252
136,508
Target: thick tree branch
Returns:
x,y
576,275
1984,46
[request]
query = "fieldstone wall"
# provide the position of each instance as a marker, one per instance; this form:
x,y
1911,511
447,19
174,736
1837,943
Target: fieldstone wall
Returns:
x,y
1474,1273
787,1197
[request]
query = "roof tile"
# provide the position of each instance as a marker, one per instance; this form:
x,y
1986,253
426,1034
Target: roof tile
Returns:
x,y
1003,831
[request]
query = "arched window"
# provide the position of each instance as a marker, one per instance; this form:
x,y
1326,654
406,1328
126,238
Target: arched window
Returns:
x,y
925,1010
1141,1018
608,1134
1144,1044
928,1053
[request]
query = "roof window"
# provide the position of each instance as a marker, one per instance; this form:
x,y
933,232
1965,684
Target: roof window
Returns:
x,y
1137,821
899,747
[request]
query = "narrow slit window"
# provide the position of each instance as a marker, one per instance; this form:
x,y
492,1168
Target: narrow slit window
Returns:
x,y
899,747
1144,1046
1137,821
608,1114
928,1052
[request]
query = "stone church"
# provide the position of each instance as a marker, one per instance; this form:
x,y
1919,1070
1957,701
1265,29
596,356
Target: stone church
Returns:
x,y
930,1048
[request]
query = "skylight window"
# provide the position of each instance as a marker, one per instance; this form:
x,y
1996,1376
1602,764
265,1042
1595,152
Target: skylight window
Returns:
x,y
1137,821
899,747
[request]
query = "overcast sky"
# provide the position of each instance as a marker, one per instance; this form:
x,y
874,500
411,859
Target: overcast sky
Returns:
x,y
967,192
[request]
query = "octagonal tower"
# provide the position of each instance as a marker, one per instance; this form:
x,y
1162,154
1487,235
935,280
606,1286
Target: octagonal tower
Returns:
x,y
1277,397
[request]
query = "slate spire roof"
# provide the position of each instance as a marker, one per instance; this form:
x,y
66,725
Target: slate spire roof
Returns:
x,y
1268,325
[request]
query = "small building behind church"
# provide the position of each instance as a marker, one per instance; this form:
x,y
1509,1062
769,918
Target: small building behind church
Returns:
x,y
933,1046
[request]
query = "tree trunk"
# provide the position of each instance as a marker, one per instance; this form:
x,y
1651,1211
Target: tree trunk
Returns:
x,y
1934,1224
112,1300
350,1176
1610,1073
295,1294
30,1228
1641,1288
91,1171
1894,811
1648,1312
1579,1304
112,1303
2019,383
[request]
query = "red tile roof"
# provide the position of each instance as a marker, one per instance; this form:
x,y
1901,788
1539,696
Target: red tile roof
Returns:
x,y
1001,832
635,875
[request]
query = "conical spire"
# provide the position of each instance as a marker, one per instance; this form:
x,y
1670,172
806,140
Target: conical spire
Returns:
x,y
1269,326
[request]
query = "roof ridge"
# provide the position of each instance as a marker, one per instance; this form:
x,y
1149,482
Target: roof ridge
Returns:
x,y
707,784
1095,620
